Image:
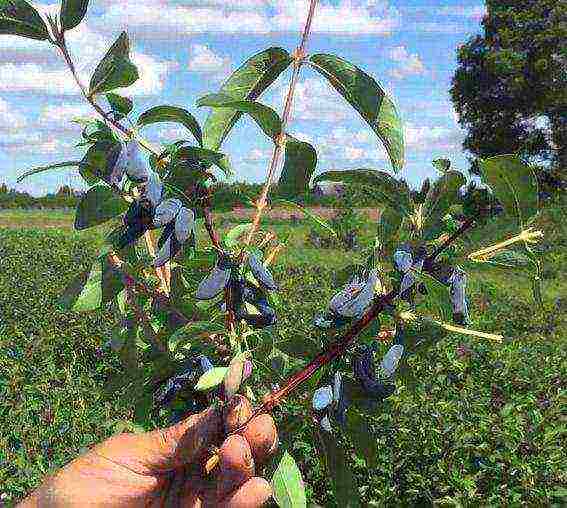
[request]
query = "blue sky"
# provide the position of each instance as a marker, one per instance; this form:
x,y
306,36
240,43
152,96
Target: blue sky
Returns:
x,y
184,49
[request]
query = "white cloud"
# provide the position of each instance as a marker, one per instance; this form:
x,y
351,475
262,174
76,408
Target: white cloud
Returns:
x,y
257,155
11,120
424,138
33,68
170,19
204,60
406,63
472,11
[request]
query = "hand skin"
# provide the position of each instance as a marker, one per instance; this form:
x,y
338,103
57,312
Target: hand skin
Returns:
x,y
164,468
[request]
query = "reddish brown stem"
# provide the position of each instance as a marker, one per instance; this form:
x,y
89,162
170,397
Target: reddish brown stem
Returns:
x,y
339,347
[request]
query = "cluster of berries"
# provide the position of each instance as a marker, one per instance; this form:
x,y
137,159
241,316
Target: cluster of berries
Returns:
x,y
149,210
333,401
248,295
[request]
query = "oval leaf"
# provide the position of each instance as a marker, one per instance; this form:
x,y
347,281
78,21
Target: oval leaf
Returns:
x,y
513,183
289,489
233,236
211,378
97,206
248,82
266,118
365,95
120,105
85,291
299,165
73,12
160,114
18,17
115,70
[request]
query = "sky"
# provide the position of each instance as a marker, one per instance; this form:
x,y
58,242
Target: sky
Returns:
x,y
185,49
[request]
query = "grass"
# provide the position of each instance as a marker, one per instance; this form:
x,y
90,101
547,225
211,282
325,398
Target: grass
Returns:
x,y
482,427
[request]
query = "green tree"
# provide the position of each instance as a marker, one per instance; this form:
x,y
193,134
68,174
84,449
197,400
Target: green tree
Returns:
x,y
510,87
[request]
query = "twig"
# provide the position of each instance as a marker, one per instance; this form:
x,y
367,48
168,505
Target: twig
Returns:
x,y
299,55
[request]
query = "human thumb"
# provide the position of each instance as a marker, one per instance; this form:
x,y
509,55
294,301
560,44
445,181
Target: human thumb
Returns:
x,y
167,449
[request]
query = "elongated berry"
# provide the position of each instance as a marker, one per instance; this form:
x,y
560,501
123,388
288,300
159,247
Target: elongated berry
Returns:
x,y
166,211
213,283
184,224
261,273
391,359
322,398
153,190
137,167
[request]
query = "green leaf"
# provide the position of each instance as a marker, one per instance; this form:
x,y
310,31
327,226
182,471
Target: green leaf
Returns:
x,y
288,486
99,161
160,114
368,97
387,189
441,196
97,206
115,70
41,169
18,17
513,183
438,299
337,464
364,440
233,236
211,378
73,12
266,118
85,291
509,259
319,221
120,105
210,157
248,82
442,165
299,165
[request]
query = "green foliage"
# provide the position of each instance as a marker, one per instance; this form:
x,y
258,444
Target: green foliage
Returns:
x,y
211,379
121,106
289,491
367,96
72,13
299,164
248,82
266,118
97,206
115,70
159,114
512,74
18,17
514,184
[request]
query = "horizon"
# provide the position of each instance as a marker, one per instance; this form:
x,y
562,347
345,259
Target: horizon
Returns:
x,y
185,50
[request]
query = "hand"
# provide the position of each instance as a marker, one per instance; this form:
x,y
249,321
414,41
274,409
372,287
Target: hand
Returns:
x,y
165,467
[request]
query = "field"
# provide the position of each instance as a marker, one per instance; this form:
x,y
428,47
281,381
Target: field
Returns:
x,y
482,423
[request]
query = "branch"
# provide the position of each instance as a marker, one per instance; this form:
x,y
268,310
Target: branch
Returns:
x,y
286,116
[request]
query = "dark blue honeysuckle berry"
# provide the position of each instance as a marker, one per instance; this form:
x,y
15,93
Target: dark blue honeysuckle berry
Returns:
x,y
391,360
356,297
458,283
325,424
246,295
185,225
138,220
205,363
152,192
174,385
261,273
166,212
168,246
137,167
340,398
329,320
364,371
216,281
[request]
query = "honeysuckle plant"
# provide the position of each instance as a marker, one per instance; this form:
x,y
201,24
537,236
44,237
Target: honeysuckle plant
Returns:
x,y
195,324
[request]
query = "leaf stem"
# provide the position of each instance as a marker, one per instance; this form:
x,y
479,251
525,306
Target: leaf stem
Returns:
x,y
299,56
